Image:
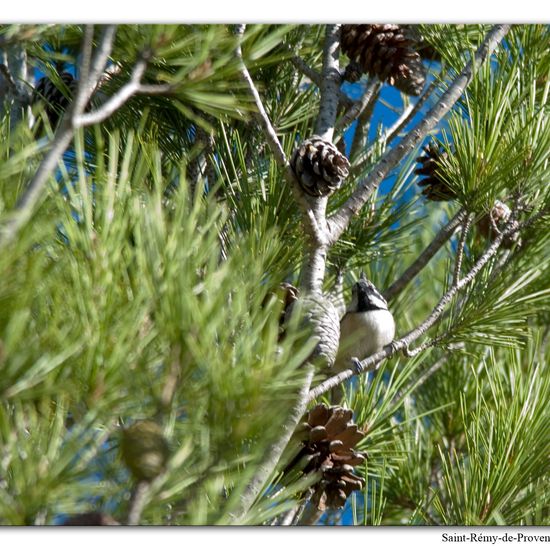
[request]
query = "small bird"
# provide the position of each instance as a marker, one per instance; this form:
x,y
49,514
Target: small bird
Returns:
x,y
366,327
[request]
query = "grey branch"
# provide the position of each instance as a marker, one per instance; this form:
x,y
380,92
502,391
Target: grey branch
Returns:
x,y
370,363
131,88
315,77
409,113
461,244
360,137
360,105
330,84
313,266
313,209
443,235
341,219
63,135
89,68
261,115
274,452
430,343
91,73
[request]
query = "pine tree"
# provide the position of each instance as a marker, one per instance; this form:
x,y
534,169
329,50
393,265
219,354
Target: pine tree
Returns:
x,y
171,280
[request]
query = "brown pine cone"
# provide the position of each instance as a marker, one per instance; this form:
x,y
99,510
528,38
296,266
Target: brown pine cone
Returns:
x,y
328,436
435,188
319,167
387,52
500,214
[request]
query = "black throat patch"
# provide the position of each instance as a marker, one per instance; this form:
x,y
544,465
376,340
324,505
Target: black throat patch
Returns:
x,y
368,298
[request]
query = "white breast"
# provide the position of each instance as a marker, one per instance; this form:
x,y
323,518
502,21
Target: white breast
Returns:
x,y
362,334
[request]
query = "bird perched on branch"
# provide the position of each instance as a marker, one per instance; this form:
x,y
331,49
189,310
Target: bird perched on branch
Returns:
x,y
366,327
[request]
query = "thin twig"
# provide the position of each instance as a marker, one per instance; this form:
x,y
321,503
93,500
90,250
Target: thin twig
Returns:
x,y
360,105
137,503
425,345
370,363
460,250
260,115
315,77
409,113
273,453
330,84
443,235
313,209
62,139
339,221
360,137
91,71
131,88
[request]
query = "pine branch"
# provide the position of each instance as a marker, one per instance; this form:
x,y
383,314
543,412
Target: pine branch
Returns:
x,y
260,115
315,77
432,342
313,209
313,267
443,235
74,119
339,221
361,132
409,113
131,88
461,244
368,97
274,452
330,84
63,136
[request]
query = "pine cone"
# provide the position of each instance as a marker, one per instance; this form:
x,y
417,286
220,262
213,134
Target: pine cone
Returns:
x,y
319,314
144,449
56,100
435,189
328,437
387,52
319,166
89,519
500,213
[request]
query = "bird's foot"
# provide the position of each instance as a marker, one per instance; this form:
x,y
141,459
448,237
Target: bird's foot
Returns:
x,y
395,347
357,365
